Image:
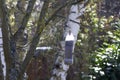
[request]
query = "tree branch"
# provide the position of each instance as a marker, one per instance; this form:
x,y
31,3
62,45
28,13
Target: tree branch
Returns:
x,y
25,19
40,27
67,3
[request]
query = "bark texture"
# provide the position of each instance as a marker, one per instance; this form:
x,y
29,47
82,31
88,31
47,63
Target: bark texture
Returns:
x,y
6,37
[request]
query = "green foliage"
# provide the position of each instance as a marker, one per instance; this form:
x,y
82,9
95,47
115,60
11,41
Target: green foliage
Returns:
x,y
105,61
99,42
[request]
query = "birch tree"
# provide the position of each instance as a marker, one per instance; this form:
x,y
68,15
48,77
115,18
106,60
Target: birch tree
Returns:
x,y
1,69
1,51
73,24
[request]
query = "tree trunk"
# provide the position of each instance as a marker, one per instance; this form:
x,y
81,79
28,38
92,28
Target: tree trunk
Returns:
x,y
1,50
6,39
19,14
1,69
21,20
33,45
73,24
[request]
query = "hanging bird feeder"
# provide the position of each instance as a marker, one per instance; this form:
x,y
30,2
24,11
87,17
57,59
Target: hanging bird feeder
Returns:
x,y
69,41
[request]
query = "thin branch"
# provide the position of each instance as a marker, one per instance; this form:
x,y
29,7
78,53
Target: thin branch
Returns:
x,y
68,3
74,21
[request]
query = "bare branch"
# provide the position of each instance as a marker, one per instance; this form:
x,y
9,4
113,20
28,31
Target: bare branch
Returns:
x,y
25,19
40,27
67,3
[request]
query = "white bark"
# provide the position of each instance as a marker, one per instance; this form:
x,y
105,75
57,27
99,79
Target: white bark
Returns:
x,y
73,25
2,54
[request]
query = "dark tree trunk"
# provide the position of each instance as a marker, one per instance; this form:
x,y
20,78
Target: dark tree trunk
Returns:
x,y
6,39
40,27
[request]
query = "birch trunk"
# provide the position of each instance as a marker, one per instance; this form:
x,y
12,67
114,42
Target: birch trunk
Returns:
x,y
73,24
2,61
1,66
1,69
